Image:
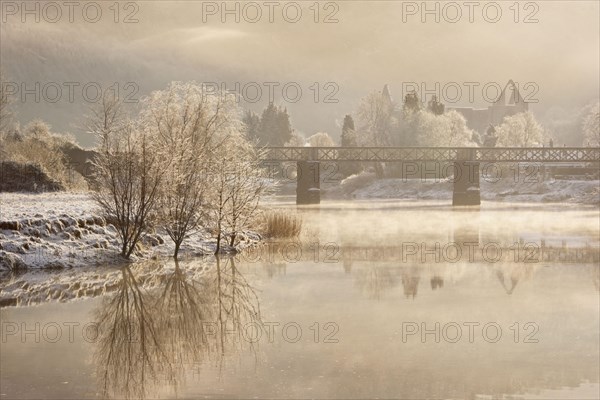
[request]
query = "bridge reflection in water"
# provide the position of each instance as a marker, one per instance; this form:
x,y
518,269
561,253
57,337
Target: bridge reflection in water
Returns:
x,y
465,163
407,262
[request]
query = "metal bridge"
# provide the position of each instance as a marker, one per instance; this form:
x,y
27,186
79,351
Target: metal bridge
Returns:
x,y
448,154
464,160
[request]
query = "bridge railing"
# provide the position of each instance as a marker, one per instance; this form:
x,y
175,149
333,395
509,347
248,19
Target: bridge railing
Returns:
x,y
398,154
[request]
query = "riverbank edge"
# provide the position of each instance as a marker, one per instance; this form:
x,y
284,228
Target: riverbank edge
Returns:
x,y
73,240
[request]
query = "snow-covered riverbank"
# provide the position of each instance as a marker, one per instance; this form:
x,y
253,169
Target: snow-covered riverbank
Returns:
x,y
63,230
367,186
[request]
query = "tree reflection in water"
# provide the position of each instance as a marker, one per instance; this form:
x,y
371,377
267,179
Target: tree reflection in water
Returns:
x,y
183,307
236,307
153,339
129,351
410,282
375,281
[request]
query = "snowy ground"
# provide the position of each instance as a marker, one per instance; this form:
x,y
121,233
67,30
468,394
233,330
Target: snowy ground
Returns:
x,y
58,230
63,230
367,186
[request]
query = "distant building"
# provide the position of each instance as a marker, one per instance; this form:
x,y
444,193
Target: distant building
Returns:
x,y
507,104
481,120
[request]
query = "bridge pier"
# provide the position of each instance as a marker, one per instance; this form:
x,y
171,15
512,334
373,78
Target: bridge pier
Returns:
x,y
308,183
466,180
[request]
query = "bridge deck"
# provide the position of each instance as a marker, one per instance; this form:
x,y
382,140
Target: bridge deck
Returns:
x,y
407,154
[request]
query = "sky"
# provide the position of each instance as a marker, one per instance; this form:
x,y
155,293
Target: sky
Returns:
x,y
319,58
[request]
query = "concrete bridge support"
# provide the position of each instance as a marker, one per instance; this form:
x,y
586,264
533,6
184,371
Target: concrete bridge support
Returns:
x,y
466,180
308,183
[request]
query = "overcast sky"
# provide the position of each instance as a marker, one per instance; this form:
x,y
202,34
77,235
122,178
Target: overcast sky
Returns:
x,y
371,44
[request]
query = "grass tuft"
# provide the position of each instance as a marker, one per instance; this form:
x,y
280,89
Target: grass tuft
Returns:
x,y
282,225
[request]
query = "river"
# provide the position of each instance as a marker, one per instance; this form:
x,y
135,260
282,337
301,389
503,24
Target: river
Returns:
x,y
379,299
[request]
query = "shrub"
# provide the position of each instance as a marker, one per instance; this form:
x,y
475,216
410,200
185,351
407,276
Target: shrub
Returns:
x,y
44,149
28,177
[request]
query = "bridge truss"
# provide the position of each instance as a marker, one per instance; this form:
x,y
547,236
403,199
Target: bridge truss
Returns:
x,y
447,154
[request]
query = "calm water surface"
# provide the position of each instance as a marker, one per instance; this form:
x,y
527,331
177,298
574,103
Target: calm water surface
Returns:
x,y
378,299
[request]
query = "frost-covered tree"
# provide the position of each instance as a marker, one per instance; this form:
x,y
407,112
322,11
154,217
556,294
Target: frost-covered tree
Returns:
x,y
105,118
446,130
458,133
297,140
39,145
238,183
221,196
127,176
591,126
377,120
246,185
190,129
520,130
320,139
183,164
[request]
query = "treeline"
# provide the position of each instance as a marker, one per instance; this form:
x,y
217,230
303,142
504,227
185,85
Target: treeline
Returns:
x,y
271,128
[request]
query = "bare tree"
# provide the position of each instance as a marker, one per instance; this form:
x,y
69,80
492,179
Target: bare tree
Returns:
x,y
106,118
247,184
182,201
190,128
221,199
238,183
127,175
184,161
